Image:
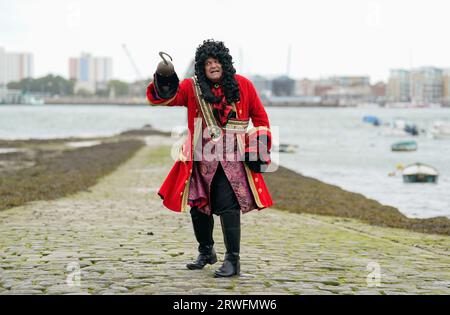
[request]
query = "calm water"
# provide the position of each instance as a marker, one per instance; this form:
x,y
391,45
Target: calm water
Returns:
x,y
335,146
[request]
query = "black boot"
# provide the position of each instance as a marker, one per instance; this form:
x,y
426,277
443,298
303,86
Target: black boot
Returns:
x,y
231,228
203,230
207,255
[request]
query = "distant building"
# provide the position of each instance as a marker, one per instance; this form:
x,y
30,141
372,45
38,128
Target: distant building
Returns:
x,y
328,91
262,84
427,85
321,89
304,87
2,68
15,66
398,87
91,73
283,86
379,89
344,90
446,87
348,95
348,81
423,85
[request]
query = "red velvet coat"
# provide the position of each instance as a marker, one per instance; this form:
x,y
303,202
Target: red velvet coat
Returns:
x,y
175,189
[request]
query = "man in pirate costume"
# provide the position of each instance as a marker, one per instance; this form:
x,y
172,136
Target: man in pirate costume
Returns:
x,y
219,103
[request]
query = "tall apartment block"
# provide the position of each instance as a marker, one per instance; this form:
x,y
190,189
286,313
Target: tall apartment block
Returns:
x,y
424,85
91,73
15,66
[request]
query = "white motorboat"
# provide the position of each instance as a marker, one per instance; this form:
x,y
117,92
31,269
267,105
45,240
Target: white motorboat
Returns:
x,y
285,148
440,130
420,173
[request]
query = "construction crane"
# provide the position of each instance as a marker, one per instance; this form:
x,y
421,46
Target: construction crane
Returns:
x,y
133,64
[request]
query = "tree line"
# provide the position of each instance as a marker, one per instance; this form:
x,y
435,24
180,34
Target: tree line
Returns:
x,y
58,86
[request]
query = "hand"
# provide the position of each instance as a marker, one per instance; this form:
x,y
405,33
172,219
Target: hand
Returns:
x,y
166,87
255,163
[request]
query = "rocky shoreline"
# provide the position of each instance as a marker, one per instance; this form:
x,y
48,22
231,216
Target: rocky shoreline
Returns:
x,y
300,194
46,169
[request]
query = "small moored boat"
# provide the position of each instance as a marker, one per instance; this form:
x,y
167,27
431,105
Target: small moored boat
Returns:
x,y
372,120
441,130
285,147
404,146
401,127
420,173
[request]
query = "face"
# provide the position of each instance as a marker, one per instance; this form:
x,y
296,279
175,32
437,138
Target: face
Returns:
x,y
213,69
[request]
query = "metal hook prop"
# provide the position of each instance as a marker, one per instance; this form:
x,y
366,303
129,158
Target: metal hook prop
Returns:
x,y
162,53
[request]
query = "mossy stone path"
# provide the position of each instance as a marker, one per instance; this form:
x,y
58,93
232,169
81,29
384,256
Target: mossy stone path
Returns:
x,y
124,242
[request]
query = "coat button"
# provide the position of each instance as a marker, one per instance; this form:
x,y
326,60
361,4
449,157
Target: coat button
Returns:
x,y
240,112
181,193
260,190
256,180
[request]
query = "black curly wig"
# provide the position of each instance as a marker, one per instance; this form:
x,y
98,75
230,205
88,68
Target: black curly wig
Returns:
x,y
216,49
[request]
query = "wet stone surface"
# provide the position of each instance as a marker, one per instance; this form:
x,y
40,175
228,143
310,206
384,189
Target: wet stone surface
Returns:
x,y
117,238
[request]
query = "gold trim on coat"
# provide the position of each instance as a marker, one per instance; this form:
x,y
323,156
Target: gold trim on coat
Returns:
x,y
163,103
236,125
206,111
197,134
253,186
184,200
256,129
250,179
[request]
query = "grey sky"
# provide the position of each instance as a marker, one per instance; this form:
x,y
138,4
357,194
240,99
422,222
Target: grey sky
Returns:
x,y
354,37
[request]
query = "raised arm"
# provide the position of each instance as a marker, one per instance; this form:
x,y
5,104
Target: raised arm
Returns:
x,y
165,89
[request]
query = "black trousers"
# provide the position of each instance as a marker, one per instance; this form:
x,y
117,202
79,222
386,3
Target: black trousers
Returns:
x,y
223,198
224,204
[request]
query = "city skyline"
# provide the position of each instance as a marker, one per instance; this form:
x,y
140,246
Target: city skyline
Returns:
x,y
325,38
92,75
324,76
